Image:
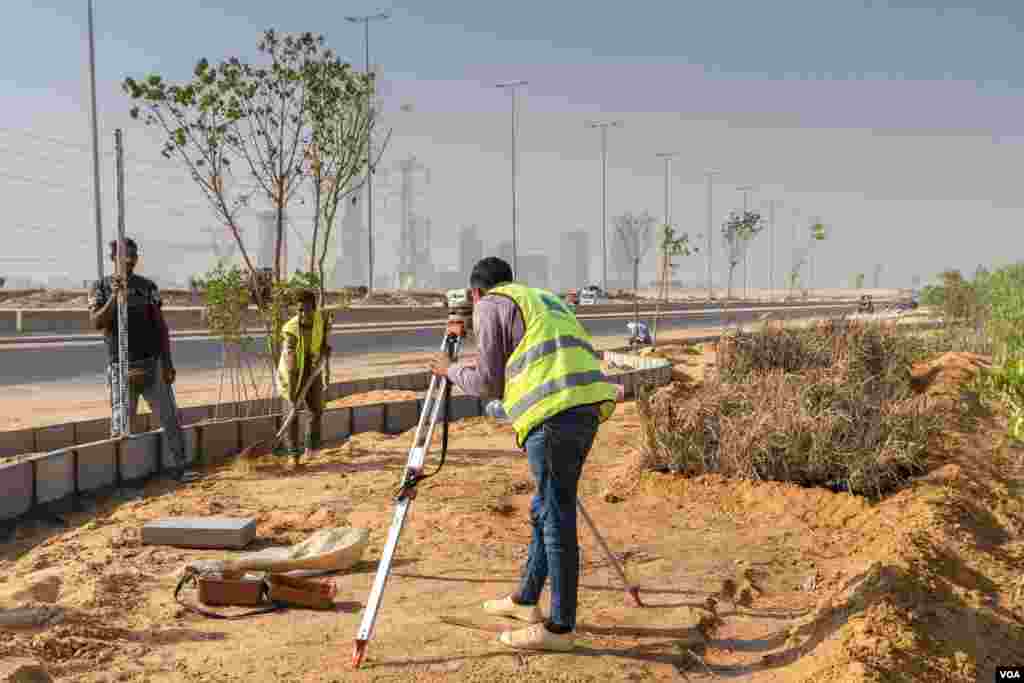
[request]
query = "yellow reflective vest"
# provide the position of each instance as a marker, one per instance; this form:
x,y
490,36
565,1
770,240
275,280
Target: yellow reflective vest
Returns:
x,y
554,367
302,354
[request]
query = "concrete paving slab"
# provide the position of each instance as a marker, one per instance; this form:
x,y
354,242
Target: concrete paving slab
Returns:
x,y
190,447
219,440
17,442
337,424
97,466
200,532
368,418
401,416
88,431
138,456
55,436
15,489
55,476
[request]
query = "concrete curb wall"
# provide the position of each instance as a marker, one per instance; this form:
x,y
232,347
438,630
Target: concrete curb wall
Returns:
x,y
51,482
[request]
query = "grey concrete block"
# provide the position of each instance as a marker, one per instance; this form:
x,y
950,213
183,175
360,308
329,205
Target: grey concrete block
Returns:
x,y
346,389
97,466
55,436
368,418
138,456
333,391
15,489
337,424
193,414
88,431
362,386
219,441
55,476
190,434
401,416
17,442
255,429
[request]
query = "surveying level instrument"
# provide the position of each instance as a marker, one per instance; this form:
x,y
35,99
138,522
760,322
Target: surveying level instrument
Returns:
x,y
439,393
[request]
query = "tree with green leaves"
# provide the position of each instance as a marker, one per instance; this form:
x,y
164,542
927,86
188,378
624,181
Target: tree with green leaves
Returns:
x,y
290,128
738,231
669,246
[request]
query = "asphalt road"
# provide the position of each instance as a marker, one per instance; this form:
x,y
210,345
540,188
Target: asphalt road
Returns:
x,y
83,361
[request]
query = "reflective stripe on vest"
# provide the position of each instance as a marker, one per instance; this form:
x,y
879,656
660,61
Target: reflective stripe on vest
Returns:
x,y
554,367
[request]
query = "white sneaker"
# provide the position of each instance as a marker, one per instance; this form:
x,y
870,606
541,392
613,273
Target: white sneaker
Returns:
x,y
504,607
537,637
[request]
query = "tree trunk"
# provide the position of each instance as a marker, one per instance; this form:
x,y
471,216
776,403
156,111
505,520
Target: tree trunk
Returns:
x,y
279,242
636,298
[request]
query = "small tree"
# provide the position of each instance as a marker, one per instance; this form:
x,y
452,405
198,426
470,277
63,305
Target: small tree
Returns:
x,y
636,233
739,230
669,246
290,129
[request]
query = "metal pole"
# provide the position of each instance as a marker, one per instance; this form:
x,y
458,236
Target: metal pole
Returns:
x,y
512,85
745,189
771,253
604,209
369,161
365,20
95,148
515,197
708,176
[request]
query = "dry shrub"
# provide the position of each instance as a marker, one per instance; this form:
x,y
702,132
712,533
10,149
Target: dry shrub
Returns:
x,y
833,407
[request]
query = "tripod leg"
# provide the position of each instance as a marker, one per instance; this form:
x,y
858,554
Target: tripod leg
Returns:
x,y
632,590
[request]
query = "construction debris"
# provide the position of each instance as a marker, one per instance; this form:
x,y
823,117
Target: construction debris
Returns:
x,y
200,532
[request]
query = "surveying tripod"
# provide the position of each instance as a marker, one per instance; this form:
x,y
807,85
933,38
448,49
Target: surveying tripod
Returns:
x,y
438,394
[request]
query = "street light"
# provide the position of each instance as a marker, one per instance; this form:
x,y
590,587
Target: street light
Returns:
x,y
365,21
604,126
512,86
95,149
708,175
667,157
745,189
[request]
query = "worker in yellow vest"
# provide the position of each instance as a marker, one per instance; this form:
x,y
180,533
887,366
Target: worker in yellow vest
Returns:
x,y
536,357
304,343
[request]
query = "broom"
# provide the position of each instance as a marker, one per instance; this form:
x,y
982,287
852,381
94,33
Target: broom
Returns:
x,y
257,450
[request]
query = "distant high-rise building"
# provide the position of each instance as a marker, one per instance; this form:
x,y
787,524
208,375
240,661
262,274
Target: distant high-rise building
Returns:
x,y
452,279
504,252
471,250
574,264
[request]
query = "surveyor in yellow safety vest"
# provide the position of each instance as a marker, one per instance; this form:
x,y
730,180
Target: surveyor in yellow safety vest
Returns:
x,y
536,357
304,343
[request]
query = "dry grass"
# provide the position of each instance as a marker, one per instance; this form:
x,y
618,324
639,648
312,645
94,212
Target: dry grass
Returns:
x,y
835,407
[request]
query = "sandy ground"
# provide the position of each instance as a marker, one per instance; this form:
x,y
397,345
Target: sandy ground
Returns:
x,y
804,585
36,405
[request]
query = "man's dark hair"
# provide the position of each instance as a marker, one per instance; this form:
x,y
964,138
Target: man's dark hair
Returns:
x,y
490,272
129,243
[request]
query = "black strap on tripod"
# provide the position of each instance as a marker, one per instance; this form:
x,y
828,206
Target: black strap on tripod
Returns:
x,y
413,479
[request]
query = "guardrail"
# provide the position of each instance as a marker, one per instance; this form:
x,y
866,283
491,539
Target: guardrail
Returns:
x,y
52,481
76,320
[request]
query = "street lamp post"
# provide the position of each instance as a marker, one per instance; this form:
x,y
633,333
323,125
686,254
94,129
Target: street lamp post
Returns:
x,y
745,189
708,175
365,21
95,149
512,87
604,126
667,157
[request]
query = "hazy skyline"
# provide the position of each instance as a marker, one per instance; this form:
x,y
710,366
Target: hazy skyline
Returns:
x,y
897,125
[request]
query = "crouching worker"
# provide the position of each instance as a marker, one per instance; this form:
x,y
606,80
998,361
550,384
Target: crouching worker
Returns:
x,y
304,343
151,371
536,357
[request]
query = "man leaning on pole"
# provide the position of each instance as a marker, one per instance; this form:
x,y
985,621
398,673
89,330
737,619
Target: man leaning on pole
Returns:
x,y
536,357
151,371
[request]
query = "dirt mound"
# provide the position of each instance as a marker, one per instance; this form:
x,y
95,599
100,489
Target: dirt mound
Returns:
x,y
372,397
948,374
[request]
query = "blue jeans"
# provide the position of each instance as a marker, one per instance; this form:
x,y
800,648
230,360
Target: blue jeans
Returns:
x,y
556,451
161,402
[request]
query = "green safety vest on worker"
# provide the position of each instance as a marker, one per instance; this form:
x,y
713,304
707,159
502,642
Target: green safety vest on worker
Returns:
x,y
316,342
554,367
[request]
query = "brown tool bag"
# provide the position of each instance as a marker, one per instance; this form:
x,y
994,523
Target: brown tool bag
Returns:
x,y
276,592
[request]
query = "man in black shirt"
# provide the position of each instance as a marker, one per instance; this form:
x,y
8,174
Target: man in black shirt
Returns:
x,y
150,368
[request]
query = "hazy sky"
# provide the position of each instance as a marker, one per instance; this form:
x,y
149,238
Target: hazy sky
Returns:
x,y
900,124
